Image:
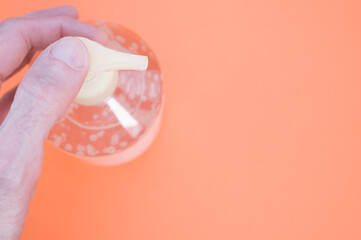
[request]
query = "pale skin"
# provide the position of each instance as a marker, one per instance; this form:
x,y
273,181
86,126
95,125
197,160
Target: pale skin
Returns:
x,y
43,96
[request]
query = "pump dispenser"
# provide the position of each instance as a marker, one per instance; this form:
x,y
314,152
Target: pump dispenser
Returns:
x,y
102,76
117,112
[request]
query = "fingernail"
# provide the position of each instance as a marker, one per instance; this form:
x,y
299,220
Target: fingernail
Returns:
x,y
70,51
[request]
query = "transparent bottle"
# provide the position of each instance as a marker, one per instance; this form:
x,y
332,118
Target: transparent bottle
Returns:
x,y
125,123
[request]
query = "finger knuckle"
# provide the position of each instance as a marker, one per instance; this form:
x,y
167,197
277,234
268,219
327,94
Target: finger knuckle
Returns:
x,y
42,86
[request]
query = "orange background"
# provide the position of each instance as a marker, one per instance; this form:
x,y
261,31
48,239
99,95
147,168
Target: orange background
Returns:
x,y
261,136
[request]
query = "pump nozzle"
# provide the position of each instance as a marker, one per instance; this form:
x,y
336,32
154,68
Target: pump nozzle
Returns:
x,y
102,76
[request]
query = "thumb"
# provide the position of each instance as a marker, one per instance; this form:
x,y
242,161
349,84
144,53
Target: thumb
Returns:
x,y
49,87
42,97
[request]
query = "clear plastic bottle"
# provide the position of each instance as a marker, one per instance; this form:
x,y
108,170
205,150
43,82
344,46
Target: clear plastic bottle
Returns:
x,y
124,125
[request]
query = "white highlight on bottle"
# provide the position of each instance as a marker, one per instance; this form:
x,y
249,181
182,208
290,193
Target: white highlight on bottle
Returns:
x,y
129,123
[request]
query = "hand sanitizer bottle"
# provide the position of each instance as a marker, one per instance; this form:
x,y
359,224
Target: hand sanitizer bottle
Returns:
x,y
117,112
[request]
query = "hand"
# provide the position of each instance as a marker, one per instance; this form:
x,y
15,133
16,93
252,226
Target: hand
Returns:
x,y
41,98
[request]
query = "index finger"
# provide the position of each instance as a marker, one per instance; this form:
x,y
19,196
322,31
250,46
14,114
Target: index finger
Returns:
x,y
19,36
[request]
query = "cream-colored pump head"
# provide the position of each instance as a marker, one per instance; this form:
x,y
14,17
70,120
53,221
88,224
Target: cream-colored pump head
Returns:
x,y
102,77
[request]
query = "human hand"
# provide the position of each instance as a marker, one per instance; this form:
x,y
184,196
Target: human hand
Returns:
x,y
41,98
